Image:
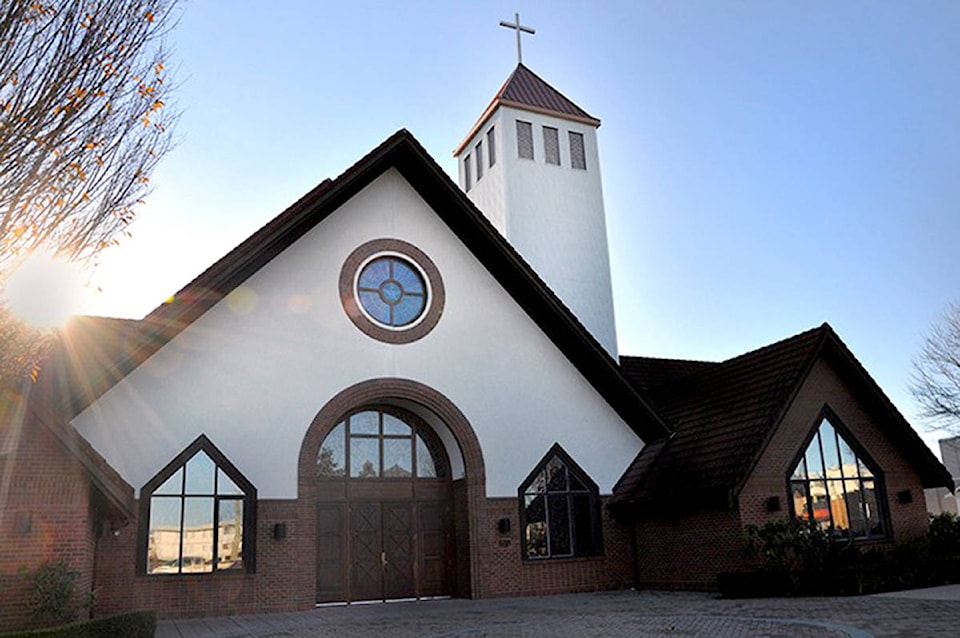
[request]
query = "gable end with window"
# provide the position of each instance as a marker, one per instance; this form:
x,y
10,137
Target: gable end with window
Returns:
x,y
559,510
197,516
836,485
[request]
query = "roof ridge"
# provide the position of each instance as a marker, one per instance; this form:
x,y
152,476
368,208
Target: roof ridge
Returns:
x,y
671,359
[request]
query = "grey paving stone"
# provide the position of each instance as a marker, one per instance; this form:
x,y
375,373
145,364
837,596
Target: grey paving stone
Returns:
x,y
624,613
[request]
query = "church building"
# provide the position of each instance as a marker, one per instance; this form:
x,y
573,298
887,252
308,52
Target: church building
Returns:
x,y
402,387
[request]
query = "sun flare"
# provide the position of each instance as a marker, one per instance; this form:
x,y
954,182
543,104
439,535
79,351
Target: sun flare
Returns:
x,y
45,291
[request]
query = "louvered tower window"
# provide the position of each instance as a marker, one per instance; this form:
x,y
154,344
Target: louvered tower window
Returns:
x,y
578,158
551,145
479,153
524,140
491,148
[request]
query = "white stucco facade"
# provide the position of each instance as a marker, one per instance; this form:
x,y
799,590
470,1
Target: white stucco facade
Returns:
x,y
255,369
552,214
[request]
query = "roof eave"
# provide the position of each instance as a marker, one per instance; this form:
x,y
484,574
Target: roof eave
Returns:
x,y
498,102
118,492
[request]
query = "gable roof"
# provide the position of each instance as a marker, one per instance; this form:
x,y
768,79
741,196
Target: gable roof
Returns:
x,y
402,152
725,413
526,90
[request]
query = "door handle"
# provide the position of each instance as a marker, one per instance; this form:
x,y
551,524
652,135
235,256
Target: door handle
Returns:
x,y
383,559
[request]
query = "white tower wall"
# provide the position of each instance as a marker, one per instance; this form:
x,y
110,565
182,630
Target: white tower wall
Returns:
x,y
553,215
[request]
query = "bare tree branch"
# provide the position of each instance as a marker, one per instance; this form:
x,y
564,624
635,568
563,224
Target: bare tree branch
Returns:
x,y
85,117
935,383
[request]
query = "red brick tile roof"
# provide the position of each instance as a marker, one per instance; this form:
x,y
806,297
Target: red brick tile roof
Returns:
x,y
526,90
724,413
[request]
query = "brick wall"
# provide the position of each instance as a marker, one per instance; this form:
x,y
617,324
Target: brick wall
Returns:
x,y
687,552
45,515
285,576
284,579
824,388
503,572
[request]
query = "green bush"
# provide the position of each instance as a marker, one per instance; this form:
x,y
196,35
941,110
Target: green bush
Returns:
x,y
797,558
944,535
797,545
54,596
134,624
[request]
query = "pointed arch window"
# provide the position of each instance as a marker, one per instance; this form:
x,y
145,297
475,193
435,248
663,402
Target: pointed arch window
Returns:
x,y
198,515
559,510
838,487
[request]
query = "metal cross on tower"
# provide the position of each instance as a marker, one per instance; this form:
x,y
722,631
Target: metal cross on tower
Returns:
x,y
518,28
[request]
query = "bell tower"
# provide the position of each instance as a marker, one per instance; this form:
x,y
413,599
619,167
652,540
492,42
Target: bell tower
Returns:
x,y
531,165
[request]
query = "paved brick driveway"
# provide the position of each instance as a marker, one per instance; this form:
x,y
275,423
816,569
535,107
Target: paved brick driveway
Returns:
x,y
622,613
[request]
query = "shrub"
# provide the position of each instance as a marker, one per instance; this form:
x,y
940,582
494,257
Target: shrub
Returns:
x,y
797,545
54,593
944,535
134,624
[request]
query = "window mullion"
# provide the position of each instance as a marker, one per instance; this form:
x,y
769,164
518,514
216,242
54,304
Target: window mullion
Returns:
x,y
546,521
216,532
826,480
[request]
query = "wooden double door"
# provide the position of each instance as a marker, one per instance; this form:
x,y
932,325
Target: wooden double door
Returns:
x,y
382,549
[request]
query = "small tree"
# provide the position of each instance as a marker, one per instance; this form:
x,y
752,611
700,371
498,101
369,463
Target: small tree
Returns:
x,y
936,380
83,122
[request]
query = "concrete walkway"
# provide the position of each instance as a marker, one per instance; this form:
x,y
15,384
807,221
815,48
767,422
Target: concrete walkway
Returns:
x,y
917,613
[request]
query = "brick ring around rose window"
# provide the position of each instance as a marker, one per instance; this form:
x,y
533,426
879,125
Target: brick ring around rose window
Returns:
x,y
391,291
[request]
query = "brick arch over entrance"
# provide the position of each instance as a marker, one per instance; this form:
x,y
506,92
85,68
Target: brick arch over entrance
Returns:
x,y
469,492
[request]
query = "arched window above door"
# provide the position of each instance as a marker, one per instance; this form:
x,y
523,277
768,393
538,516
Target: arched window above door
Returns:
x,y
381,443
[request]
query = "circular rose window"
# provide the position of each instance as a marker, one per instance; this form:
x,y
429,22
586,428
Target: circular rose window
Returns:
x,y
391,291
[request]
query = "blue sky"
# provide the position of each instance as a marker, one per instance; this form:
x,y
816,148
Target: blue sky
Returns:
x,y
767,165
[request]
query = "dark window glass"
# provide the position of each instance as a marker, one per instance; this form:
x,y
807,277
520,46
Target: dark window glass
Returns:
x,y
491,147
832,485
466,174
535,528
551,145
367,422
426,467
173,485
524,140
578,157
397,457
364,457
392,291
558,514
479,154
560,510
332,460
584,522
196,516
380,444
230,542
